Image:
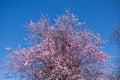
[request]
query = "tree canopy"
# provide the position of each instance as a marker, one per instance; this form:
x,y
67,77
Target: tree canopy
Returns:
x,y
63,50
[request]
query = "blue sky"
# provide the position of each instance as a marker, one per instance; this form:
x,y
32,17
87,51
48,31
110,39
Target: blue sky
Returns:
x,y
101,16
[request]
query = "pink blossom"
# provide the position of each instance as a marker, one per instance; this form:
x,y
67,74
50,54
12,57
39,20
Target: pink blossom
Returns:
x,y
61,51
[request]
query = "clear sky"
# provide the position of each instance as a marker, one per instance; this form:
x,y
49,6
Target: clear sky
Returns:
x,y
101,16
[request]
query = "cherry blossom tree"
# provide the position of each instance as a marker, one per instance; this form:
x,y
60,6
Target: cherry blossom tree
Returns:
x,y
63,50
